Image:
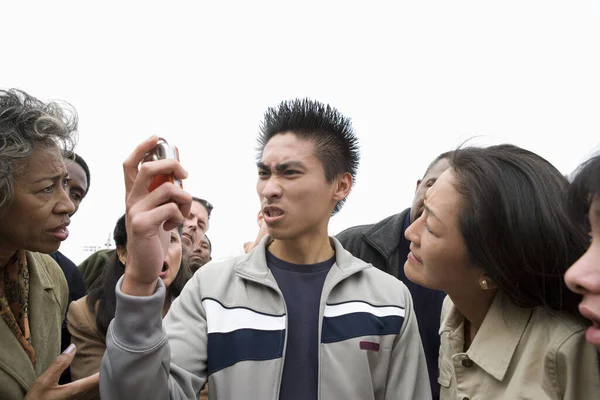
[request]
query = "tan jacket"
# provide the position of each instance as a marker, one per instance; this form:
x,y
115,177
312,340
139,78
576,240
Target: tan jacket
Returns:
x,y
518,353
90,344
48,297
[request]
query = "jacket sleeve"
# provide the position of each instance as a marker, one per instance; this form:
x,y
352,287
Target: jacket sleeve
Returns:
x,y
89,343
155,363
575,369
407,374
91,268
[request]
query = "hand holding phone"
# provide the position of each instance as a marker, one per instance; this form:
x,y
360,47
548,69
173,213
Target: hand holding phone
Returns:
x,y
151,215
163,150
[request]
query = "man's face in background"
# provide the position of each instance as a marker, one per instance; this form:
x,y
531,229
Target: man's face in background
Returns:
x,y
195,226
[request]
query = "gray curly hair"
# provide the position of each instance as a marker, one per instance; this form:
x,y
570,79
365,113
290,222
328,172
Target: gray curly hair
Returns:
x,y
27,124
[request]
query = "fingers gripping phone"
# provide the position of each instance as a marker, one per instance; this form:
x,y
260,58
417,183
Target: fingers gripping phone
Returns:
x,y
162,151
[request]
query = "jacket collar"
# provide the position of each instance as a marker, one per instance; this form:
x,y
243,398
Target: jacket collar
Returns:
x,y
254,264
498,337
386,235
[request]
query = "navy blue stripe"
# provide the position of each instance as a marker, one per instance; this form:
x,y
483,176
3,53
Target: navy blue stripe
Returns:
x,y
336,329
226,349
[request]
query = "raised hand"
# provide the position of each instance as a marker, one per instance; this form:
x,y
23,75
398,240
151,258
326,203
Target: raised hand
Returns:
x,y
46,386
150,217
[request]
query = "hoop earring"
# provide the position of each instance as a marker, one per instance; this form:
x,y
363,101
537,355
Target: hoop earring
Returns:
x,y
484,284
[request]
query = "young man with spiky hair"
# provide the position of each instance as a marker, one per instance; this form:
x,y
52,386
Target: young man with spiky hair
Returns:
x,y
296,318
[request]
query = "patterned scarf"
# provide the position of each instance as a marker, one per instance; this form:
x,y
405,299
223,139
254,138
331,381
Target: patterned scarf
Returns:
x,y
14,300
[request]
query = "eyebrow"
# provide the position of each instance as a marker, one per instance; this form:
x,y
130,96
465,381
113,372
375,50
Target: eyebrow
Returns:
x,y
281,167
430,212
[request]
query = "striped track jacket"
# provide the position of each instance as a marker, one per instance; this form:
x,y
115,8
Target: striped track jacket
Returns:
x,y
229,326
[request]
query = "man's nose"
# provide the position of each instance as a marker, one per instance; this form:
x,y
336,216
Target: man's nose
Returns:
x,y
271,189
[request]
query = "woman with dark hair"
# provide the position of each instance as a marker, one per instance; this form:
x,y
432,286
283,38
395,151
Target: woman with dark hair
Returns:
x,y
34,215
496,238
584,276
88,318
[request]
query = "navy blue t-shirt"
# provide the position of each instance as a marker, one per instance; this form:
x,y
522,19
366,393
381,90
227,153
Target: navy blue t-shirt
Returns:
x,y
301,286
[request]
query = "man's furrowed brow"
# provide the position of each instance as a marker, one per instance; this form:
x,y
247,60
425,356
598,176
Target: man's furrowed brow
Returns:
x,y
287,165
281,167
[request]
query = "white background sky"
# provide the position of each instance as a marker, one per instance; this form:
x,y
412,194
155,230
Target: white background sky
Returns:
x,y
416,77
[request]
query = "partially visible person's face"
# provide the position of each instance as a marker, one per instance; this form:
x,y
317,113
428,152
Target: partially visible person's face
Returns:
x,y
584,277
38,216
205,250
77,184
195,226
200,255
438,257
296,198
423,185
172,261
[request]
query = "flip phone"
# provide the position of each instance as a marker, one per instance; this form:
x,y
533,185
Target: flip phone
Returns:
x,y
162,151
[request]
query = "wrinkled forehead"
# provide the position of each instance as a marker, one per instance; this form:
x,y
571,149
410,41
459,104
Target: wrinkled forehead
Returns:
x,y
286,147
199,211
44,161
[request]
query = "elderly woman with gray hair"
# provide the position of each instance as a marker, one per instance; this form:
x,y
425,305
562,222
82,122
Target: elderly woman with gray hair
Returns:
x,y
34,215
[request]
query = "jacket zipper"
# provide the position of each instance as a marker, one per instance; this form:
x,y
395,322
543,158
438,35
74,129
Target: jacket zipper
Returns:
x,y
322,316
276,288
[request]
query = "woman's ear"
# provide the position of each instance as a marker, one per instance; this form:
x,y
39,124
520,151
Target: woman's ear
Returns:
x,y
486,282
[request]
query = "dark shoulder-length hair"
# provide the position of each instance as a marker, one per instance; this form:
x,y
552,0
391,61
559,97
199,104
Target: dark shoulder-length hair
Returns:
x,y
515,225
102,298
583,189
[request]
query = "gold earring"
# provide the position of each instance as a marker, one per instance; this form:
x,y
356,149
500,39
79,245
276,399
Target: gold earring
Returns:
x,y
484,284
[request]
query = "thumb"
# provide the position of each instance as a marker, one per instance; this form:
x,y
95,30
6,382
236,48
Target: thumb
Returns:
x,y
62,362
